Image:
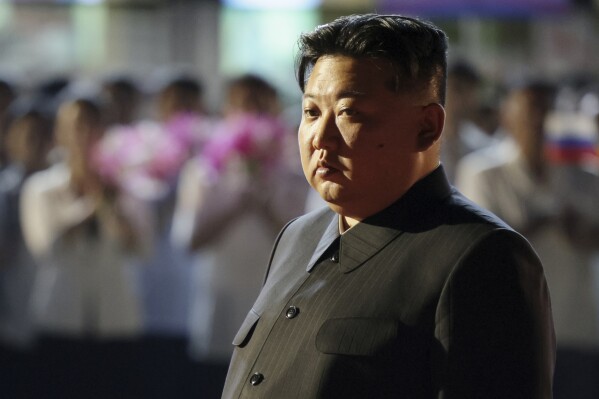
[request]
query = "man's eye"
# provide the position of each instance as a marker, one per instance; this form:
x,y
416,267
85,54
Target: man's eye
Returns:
x,y
348,112
310,113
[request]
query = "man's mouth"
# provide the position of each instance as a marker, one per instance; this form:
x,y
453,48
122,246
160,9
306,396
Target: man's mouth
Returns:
x,y
325,169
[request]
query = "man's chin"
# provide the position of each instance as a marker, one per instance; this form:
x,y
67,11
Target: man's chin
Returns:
x,y
328,190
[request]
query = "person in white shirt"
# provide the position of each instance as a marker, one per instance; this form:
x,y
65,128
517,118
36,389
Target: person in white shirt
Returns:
x,y
233,199
83,235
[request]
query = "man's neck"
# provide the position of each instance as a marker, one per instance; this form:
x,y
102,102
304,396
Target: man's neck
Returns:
x,y
346,223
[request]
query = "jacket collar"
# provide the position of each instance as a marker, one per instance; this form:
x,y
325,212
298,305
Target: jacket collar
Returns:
x,y
328,237
411,213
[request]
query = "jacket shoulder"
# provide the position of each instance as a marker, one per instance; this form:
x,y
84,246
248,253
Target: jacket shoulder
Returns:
x,y
457,209
308,227
303,232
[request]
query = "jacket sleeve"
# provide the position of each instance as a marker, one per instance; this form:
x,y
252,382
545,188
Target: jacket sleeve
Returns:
x,y
496,324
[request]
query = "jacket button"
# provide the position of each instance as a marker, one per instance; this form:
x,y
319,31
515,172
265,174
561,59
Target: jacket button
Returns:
x,y
335,257
292,311
256,379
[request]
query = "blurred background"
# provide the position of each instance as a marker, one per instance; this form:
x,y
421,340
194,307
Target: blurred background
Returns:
x,y
217,39
148,159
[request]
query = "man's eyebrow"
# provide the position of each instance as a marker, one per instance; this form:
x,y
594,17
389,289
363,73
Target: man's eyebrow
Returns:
x,y
351,93
343,94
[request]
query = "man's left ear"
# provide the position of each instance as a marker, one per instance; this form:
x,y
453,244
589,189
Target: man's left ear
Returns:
x,y
433,120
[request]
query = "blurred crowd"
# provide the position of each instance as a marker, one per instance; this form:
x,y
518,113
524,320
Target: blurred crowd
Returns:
x,y
135,226
133,243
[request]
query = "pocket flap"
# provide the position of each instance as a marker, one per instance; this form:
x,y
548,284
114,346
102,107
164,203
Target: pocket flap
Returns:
x,y
356,336
247,327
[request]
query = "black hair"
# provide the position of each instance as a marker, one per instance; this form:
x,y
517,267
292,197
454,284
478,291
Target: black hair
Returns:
x,y
255,94
185,84
417,49
181,94
464,71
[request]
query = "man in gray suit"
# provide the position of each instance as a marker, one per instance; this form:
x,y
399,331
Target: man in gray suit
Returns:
x,y
401,288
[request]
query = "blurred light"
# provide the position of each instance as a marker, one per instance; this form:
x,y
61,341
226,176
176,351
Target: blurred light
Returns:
x,y
350,5
589,104
57,2
273,4
6,16
476,7
249,45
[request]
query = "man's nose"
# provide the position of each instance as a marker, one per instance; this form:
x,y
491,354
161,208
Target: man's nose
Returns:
x,y
326,133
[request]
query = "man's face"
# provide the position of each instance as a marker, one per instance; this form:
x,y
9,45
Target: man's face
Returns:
x,y
524,116
358,138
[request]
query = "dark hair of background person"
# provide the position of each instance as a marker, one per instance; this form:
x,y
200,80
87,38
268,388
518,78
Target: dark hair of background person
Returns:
x,y
7,97
48,94
122,97
29,139
464,71
251,93
180,94
416,48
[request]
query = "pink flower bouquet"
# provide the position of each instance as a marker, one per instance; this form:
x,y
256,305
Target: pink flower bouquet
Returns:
x,y
145,159
253,141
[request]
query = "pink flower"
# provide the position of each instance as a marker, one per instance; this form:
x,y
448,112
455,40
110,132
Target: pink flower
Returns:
x,y
256,140
147,154
189,129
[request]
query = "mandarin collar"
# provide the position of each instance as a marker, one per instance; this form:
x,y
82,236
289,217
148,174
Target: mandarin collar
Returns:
x,y
411,213
331,233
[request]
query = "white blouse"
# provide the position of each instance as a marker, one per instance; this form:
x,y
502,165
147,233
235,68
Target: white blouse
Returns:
x,y
84,284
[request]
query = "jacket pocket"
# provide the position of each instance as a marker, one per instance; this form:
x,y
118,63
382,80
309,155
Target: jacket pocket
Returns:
x,y
246,330
356,336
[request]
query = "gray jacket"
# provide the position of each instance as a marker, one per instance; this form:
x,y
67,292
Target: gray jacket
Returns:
x,y
433,297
